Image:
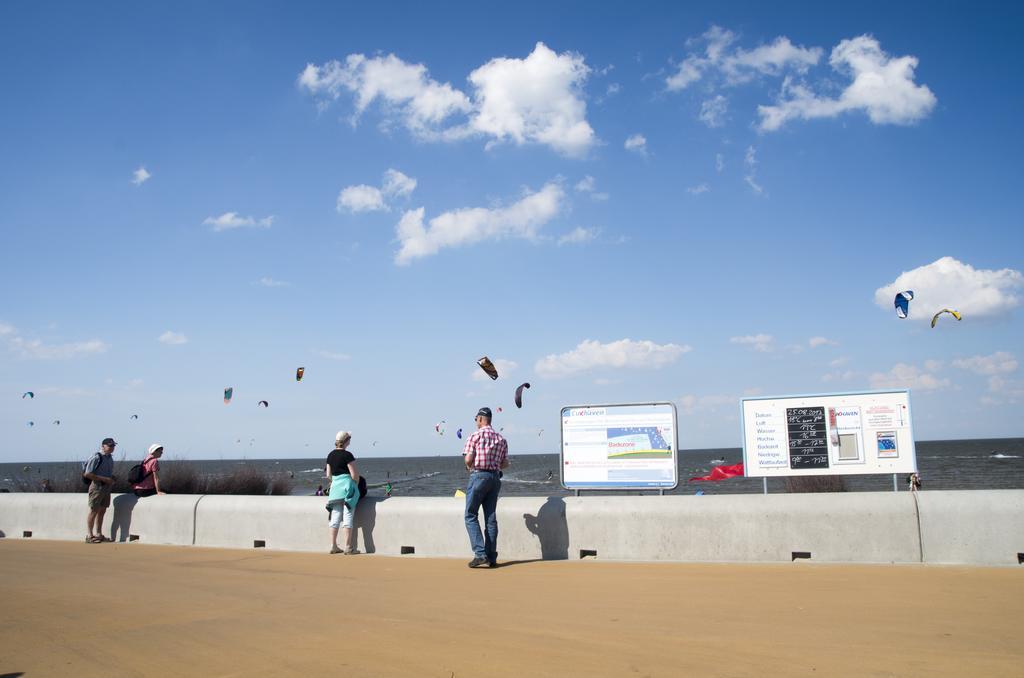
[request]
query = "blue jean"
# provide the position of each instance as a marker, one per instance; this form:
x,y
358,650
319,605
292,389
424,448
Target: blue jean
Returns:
x,y
482,490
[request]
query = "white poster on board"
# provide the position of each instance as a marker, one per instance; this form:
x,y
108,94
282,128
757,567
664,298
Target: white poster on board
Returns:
x,y
832,434
619,447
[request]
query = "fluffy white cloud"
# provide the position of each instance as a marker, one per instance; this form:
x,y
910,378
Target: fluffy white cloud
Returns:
x,y
506,368
364,198
815,342
636,143
736,65
172,338
231,220
537,99
361,198
397,184
578,236
34,349
624,353
406,89
908,376
712,111
763,343
698,189
882,86
949,283
750,160
589,186
999,362
140,176
466,226
271,282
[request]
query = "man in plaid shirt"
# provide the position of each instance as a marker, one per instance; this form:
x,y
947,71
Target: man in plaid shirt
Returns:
x,y
486,453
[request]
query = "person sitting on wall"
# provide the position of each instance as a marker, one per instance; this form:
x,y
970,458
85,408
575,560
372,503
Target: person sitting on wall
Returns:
x,y
914,482
150,483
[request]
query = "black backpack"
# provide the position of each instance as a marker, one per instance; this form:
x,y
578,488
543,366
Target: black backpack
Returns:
x,y
85,465
137,474
362,486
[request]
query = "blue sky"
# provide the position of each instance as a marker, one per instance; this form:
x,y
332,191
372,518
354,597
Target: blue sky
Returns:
x,y
688,204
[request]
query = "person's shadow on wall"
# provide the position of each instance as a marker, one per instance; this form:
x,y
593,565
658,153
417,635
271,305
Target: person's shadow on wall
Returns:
x,y
121,523
551,528
364,522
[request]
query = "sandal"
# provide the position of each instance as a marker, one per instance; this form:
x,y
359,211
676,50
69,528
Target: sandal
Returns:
x,y
90,539
100,539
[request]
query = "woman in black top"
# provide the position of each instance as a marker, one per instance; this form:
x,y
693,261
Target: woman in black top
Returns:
x,y
340,470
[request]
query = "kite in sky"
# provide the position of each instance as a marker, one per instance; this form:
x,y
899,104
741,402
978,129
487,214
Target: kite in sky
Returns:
x,y
31,423
56,422
28,394
264,403
439,427
458,434
519,394
133,417
722,472
487,366
227,394
955,314
299,372
902,303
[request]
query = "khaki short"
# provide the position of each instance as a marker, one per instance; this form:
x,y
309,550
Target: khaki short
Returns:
x,y
99,495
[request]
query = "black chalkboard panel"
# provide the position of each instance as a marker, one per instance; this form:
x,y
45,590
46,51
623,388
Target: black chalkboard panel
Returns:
x,y
808,437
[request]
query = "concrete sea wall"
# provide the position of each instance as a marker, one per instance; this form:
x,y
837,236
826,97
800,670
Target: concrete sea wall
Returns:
x,y
977,527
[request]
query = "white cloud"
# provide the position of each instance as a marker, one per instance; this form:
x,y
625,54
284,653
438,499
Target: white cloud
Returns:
x,y
506,368
999,362
763,343
719,162
172,338
588,185
1012,389
231,220
397,184
839,362
6,329
578,236
815,342
750,160
331,355
361,198
712,111
737,66
613,89
882,86
847,375
466,226
271,282
908,376
34,349
537,99
624,353
691,404
949,283
364,198
698,189
140,176
636,143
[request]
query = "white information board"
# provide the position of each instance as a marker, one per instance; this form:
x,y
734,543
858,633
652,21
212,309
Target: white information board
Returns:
x,y
838,434
621,447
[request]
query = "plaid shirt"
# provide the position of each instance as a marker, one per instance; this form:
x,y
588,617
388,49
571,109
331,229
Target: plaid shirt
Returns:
x,y
491,449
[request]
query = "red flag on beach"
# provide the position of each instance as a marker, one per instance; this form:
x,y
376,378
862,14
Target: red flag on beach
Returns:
x,y
722,472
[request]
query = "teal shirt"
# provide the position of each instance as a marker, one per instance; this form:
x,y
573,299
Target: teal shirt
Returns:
x,y
343,489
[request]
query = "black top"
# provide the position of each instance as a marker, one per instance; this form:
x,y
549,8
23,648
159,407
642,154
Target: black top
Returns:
x,y
339,460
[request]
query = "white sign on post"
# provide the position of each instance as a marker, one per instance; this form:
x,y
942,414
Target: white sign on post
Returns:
x,y
837,434
619,447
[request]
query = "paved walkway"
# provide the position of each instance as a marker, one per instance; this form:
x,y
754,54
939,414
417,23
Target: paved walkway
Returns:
x,y
133,609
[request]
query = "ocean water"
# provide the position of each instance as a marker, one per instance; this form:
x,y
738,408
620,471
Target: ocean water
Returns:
x,y
944,465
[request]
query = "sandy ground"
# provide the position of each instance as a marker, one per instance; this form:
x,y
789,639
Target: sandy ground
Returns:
x,y
132,609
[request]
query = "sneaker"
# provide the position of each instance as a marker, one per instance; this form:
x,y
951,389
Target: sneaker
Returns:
x,y
351,552
478,562
335,549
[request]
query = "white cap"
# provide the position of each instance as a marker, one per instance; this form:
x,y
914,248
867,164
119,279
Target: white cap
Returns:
x,y
154,447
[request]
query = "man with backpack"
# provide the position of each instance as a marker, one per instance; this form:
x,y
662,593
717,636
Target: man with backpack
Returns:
x,y
145,477
98,472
